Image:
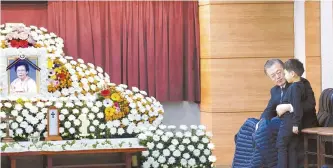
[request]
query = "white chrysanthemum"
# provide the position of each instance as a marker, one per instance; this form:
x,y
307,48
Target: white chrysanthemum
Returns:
x,y
100,115
8,105
71,130
77,122
92,129
19,131
75,111
179,134
68,124
96,122
211,146
18,107
61,129
159,146
186,155
91,116
145,153
29,129
190,148
183,127
161,159
207,152
201,146
41,127
195,139
183,162
181,148
113,130
155,153
71,117
150,145
205,140
19,119
172,160
196,152
14,113
64,111
14,125
142,137
212,159
102,126
191,162
209,134
85,110
61,117
95,109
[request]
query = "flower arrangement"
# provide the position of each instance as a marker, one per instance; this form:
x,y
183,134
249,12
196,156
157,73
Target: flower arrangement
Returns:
x,y
20,36
30,118
70,145
68,77
120,113
116,106
168,147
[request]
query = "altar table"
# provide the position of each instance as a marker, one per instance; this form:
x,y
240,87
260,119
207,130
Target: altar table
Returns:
x,y
126,146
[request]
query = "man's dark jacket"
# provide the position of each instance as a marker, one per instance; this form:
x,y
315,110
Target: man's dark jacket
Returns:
x,y
309,118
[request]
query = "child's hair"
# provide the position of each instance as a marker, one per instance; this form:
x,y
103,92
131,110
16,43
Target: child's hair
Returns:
x,y
294,65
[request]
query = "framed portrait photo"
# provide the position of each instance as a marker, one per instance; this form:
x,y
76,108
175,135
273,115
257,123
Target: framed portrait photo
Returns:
x,y
23,77
23,72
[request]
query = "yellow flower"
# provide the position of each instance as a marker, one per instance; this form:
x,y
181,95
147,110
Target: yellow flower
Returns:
x,y
115,96
109,113
19,101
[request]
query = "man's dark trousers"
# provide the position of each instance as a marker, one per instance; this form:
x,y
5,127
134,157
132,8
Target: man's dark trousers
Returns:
x,y
287,143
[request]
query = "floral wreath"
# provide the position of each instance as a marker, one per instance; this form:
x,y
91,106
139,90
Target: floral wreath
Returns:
x,y
77,88
20,36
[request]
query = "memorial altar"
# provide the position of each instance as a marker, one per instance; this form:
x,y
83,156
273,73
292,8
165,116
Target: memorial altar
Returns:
x,y
52,104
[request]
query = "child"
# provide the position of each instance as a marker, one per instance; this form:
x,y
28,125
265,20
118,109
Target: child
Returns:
x,y
287,138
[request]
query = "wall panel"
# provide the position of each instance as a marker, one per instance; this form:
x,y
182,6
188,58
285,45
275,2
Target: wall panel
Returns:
x,y
236,40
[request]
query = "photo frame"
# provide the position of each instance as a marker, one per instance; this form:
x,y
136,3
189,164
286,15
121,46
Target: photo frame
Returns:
x,y
53,124
36,86
23,78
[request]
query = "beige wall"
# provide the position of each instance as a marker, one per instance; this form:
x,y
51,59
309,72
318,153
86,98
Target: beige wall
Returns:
x,y
235,41
312,46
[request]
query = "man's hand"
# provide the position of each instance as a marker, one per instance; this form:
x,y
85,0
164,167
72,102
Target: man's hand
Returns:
x,y
282,108
295,129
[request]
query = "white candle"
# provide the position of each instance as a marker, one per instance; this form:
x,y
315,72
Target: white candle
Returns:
x,y
85,124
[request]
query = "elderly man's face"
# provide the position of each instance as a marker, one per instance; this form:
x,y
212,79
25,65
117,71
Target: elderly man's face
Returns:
x,y
21,72
276,74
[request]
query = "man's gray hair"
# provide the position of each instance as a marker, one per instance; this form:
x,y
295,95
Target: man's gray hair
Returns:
x,y
269,63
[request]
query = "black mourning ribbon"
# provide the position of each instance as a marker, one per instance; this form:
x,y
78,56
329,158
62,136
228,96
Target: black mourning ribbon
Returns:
x,y
26,59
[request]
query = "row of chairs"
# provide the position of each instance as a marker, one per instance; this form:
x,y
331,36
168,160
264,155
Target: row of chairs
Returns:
x,y
323,134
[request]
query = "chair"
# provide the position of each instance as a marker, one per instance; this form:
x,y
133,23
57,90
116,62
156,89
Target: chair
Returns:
x,y
324,135
325,119
311,133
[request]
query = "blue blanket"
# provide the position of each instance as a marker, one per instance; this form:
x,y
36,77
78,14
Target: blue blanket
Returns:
x,y
256,149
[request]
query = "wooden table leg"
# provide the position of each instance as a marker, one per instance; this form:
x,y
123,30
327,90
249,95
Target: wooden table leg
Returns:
x,y
306,156
12,162
321,151
128,160
49,162
318,152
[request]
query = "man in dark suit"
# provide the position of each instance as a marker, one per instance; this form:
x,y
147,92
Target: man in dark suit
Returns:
x,y
274,70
